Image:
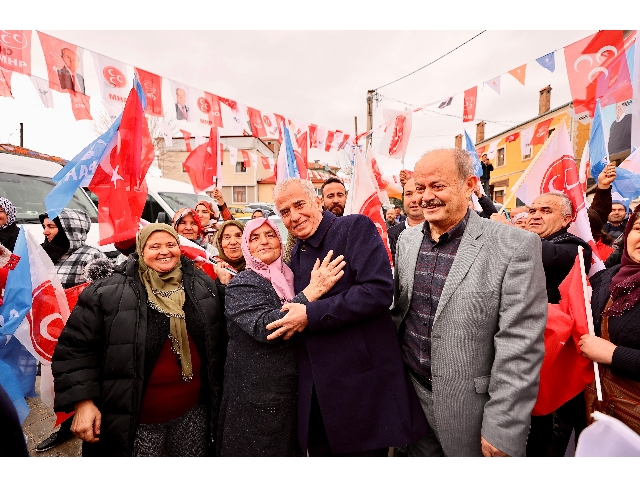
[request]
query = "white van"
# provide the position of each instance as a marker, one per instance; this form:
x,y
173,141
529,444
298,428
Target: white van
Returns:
x,y
26,181
167,196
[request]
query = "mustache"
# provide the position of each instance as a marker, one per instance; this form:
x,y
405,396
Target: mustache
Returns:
x,y
434,202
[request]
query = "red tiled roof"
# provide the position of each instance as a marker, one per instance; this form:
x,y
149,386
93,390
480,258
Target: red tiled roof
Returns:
x,y
22,151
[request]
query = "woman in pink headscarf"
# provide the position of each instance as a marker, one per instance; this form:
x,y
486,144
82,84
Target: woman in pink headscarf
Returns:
x,y
258,416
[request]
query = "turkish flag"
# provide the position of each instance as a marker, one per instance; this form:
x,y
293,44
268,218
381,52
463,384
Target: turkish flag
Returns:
x,y
280,121
541,132
119,178
265,163
257,124
597,69
152,87
519,73
313,136
80,106
329,140
15,51
5,83
513,137
301,155
345,139
187,139
202,164
565,371
246,158
470,99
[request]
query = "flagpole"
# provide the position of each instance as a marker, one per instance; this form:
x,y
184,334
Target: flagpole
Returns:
x,y
587,306
516,186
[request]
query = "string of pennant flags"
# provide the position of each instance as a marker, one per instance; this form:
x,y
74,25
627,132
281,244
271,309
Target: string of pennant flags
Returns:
x,y
599,67
193,107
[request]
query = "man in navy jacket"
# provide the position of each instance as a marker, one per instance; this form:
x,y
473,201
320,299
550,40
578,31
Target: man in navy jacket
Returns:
x,y
354,394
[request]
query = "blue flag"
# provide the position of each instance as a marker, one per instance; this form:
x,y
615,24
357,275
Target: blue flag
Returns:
x,y
17,293
548,61
78,172
598,153
471,149
292,167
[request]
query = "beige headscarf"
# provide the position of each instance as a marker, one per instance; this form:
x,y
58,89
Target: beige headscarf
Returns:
x,y
165,293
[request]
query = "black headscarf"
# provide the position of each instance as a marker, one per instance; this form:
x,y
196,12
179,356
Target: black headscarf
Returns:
x,y
9,231
59,244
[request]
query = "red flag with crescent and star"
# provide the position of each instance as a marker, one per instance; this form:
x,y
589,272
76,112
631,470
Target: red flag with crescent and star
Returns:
x,y
119,180
202,163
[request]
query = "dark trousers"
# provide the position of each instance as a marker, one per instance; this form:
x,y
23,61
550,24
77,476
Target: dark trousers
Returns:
x,y
549,435
318,443
485,186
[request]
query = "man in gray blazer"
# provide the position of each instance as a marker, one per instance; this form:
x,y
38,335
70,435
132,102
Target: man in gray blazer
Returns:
x,y
470,306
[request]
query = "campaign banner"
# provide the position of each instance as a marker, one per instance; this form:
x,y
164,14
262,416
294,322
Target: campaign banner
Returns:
x,y
470,99
44,92
64,64
209,111
152,86
270,126
313,136
256,123
15,51
184,101
112,79
80,106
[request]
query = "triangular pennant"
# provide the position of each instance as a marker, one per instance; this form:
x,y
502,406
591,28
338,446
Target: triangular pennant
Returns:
x,y
548,61
494,84
519,73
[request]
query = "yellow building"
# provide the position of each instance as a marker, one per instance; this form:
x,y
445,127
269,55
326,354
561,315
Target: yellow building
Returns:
x,y
510,161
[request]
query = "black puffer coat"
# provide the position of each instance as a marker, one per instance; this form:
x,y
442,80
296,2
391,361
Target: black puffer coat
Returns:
x,y
101,353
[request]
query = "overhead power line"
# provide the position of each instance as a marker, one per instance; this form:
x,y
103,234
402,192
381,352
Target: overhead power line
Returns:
x,y
435,60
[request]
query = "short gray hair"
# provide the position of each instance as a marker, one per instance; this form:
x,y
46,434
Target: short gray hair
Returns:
x,y
286,184
462,158
566,205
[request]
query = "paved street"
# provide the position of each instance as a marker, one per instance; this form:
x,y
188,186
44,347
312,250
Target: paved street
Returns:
x,y
39,425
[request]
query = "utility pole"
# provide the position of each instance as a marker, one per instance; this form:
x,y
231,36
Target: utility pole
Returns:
x,y
355,120
21,134
370,95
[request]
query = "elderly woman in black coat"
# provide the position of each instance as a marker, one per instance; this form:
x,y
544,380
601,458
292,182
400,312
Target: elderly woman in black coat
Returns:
x,y
141,357
258,416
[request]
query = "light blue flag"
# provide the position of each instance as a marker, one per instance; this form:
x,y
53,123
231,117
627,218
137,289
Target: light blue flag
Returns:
x,y
78,172
548,61
17,293
598,153
292,167
17,373
471,149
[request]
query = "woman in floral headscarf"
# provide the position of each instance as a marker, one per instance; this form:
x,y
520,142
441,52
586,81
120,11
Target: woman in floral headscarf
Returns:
x,y
8,228
187,223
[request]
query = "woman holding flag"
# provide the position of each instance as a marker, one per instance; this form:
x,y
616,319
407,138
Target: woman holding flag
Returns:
x,y
616,314
141,357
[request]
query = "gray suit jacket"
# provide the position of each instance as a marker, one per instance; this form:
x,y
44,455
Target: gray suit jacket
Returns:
x,y
487,339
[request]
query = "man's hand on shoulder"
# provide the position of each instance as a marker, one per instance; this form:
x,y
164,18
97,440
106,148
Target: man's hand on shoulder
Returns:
x,y
488,450
294,321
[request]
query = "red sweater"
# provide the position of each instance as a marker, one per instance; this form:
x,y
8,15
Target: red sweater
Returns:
x,y
168,396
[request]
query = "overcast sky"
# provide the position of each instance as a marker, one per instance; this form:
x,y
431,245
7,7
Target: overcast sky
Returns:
x,y
319,77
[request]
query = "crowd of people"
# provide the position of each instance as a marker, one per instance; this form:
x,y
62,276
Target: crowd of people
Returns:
x,y
315,345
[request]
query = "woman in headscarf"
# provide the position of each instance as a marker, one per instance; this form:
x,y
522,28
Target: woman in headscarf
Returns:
x,y
229,246
258,416
187,223
8,228
616,299
141,357
208,220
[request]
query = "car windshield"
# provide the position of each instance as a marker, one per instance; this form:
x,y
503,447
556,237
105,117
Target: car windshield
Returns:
x,y
27,193
184,200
